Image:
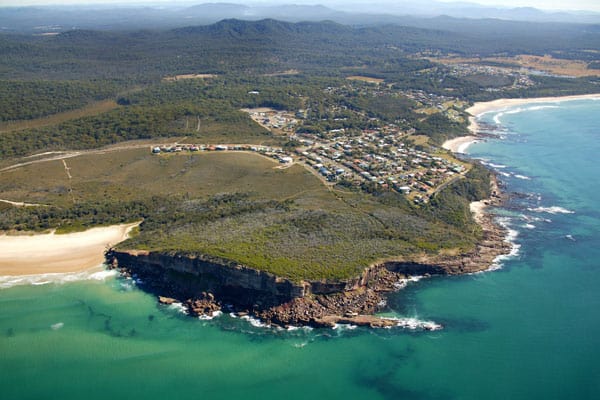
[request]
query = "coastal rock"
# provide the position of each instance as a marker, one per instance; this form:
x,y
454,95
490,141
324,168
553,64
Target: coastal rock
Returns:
x,y
201,307
208,282
166,300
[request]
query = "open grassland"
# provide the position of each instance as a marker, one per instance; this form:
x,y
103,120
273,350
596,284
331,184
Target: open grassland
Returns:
x,y
547,63
136,173
188,76
235,206
367,79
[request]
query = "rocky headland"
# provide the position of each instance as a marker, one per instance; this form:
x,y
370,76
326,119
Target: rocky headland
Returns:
x,y
206,284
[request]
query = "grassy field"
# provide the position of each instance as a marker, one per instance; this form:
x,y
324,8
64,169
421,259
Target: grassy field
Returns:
x,y
136,173
236,206
367,79
546,63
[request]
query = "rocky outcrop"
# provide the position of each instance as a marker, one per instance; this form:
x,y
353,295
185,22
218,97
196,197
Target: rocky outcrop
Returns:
x,y
176,275
205,283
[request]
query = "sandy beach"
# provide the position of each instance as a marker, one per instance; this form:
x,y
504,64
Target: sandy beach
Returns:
x,y
481,108
460,144
52,253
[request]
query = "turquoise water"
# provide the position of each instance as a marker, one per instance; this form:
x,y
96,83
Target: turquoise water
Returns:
x,y
528,331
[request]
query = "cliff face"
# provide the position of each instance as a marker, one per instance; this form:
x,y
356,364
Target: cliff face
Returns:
x,y
186,276
205,284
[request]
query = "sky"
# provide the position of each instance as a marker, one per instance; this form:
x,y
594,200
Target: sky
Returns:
x,y
590,5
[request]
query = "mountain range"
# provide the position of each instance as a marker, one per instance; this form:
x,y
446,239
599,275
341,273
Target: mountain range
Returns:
x,y
120,17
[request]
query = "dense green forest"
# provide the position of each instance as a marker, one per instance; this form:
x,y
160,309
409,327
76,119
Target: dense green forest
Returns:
x,y
234,46
34,99
220,123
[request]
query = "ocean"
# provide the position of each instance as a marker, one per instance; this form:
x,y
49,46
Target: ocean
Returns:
x,y
528,330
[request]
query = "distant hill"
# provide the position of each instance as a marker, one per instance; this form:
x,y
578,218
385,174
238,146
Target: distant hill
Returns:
x,y
106,17
270,45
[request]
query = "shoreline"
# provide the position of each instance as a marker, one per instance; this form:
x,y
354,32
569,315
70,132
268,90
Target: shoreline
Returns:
x,y
461,143
36,254
492,229
487,106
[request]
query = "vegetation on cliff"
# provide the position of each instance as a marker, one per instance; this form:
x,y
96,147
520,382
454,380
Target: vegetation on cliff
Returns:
x,y
236,206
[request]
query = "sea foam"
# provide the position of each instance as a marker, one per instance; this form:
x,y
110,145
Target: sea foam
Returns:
x,y
255,322
213,315
551,210
56,278
511,236
415,324
526,178
57,326
517,110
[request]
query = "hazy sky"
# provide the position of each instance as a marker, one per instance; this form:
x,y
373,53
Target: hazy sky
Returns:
x,y
592,5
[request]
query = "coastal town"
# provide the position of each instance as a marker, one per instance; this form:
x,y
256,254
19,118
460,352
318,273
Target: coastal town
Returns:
x,y
381,160
372,154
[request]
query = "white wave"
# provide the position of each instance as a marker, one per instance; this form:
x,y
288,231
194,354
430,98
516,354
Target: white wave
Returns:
x,y
41,282
344,327
462,149
526,178
517,110
57,326
292,328
213,315
416,324
511,236
531,218
496,166
514,252
551,210
401,284
178,307
560,101
478,116
57,278
570,237
536,108
255,322
529,226
497,263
